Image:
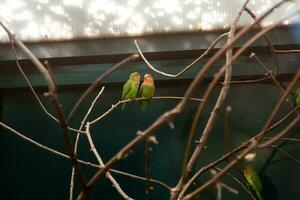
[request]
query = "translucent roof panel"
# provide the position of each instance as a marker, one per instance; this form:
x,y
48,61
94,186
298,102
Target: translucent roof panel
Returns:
x,y
39,20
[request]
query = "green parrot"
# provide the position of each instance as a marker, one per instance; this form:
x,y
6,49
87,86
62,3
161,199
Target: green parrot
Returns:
x,y
297,97
147,90
253,180
131,87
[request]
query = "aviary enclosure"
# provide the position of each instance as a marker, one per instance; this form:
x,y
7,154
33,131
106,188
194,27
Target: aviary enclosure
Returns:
x,y
223,122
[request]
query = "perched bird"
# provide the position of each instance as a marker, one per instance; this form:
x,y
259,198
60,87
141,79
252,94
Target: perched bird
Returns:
x,y
131,87
297,97
253,180
147,90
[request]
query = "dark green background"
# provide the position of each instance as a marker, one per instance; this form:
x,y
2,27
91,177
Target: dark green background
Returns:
x,y
28,172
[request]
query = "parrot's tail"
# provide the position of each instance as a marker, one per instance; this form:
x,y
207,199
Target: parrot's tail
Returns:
x,y
144,104
259,195
123,106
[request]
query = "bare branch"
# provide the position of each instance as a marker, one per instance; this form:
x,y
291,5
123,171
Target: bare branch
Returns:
x,y
188,164
160,183
285,153
186,68
148,150
78,136
114,106
57,108
250,81
220,185
268,40
32,89
287,51
227,135
240,183
108,175
287,139
270,74
276,109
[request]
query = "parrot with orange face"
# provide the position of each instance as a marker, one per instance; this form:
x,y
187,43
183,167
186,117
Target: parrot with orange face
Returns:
x,y
131,87
147,90
253,180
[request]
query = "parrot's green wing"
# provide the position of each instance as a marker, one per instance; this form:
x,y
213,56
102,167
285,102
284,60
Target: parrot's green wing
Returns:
x,y
130,90
126,89
254,181
148,92
256,184
297,97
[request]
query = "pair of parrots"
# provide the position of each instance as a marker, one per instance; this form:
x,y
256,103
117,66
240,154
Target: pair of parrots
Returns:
x,y
131,88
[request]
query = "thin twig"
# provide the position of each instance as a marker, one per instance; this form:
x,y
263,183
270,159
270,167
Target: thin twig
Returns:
x,y
268,40
250,81
160,183
78,136
239,182
32,89
73,169
148,150
114,106
185,68
220,185
285,153
287,51
108,175
270,74
277,108
227,137
281,134
279,122
286,139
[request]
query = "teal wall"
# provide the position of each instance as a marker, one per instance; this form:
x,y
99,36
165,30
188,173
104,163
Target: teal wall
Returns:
x,y
29,172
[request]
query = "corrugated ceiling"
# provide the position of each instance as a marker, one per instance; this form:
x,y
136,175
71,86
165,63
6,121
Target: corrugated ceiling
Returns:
x,y
39,20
